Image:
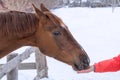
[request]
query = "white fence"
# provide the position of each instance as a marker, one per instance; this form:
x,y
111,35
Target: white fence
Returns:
x,y
12,70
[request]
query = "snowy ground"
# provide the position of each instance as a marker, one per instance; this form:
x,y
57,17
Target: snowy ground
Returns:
x,y
97,30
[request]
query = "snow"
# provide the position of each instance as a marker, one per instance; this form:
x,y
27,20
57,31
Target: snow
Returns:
x,y
97,30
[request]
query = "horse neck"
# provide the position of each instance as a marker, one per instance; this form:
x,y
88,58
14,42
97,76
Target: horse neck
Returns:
x,y
7,46
11,39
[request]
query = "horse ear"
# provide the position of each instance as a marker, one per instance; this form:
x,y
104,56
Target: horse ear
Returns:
x,y
37,11
43,8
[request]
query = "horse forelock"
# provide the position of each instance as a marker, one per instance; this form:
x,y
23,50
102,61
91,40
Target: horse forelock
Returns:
x,y
17,23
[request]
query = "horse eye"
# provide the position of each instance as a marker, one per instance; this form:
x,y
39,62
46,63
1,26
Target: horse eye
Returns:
x,y
56,33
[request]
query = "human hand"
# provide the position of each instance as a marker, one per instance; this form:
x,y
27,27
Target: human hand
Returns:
x,y
90,69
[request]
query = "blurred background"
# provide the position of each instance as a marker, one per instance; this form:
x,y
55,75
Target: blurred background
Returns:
x,y
25,5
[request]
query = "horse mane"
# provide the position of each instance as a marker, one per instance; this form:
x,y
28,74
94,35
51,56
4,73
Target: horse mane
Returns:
x,y
14,23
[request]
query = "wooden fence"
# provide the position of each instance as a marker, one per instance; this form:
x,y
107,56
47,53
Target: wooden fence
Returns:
x,y
14,64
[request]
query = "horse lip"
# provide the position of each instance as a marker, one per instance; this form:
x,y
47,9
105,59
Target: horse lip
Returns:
x,y
77,67
81,66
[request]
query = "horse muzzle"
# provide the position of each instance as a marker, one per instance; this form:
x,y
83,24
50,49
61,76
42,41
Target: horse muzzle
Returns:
x,y
82,64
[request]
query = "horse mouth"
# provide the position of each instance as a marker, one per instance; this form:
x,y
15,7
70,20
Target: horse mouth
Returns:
x,y
80,67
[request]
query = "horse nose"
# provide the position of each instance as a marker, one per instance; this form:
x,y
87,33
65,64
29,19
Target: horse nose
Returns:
x,y
84,63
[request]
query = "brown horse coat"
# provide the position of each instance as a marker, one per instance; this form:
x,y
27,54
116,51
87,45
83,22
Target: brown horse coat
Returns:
x,y
43,30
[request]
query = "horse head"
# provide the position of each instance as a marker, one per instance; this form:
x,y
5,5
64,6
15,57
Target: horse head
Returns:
x,y
55,40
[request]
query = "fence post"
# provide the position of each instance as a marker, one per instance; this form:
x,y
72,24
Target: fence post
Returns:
x,y
13,74
41,65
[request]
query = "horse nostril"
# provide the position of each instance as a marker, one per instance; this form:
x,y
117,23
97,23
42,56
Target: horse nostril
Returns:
x,y
86,62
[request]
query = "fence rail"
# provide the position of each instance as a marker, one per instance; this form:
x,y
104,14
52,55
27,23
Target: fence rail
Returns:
x,y
12,70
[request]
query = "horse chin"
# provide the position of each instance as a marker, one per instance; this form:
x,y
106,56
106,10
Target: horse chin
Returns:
x,y
75,69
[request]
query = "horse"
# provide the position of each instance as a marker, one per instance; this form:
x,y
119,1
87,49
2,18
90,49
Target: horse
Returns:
x,y
44,30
